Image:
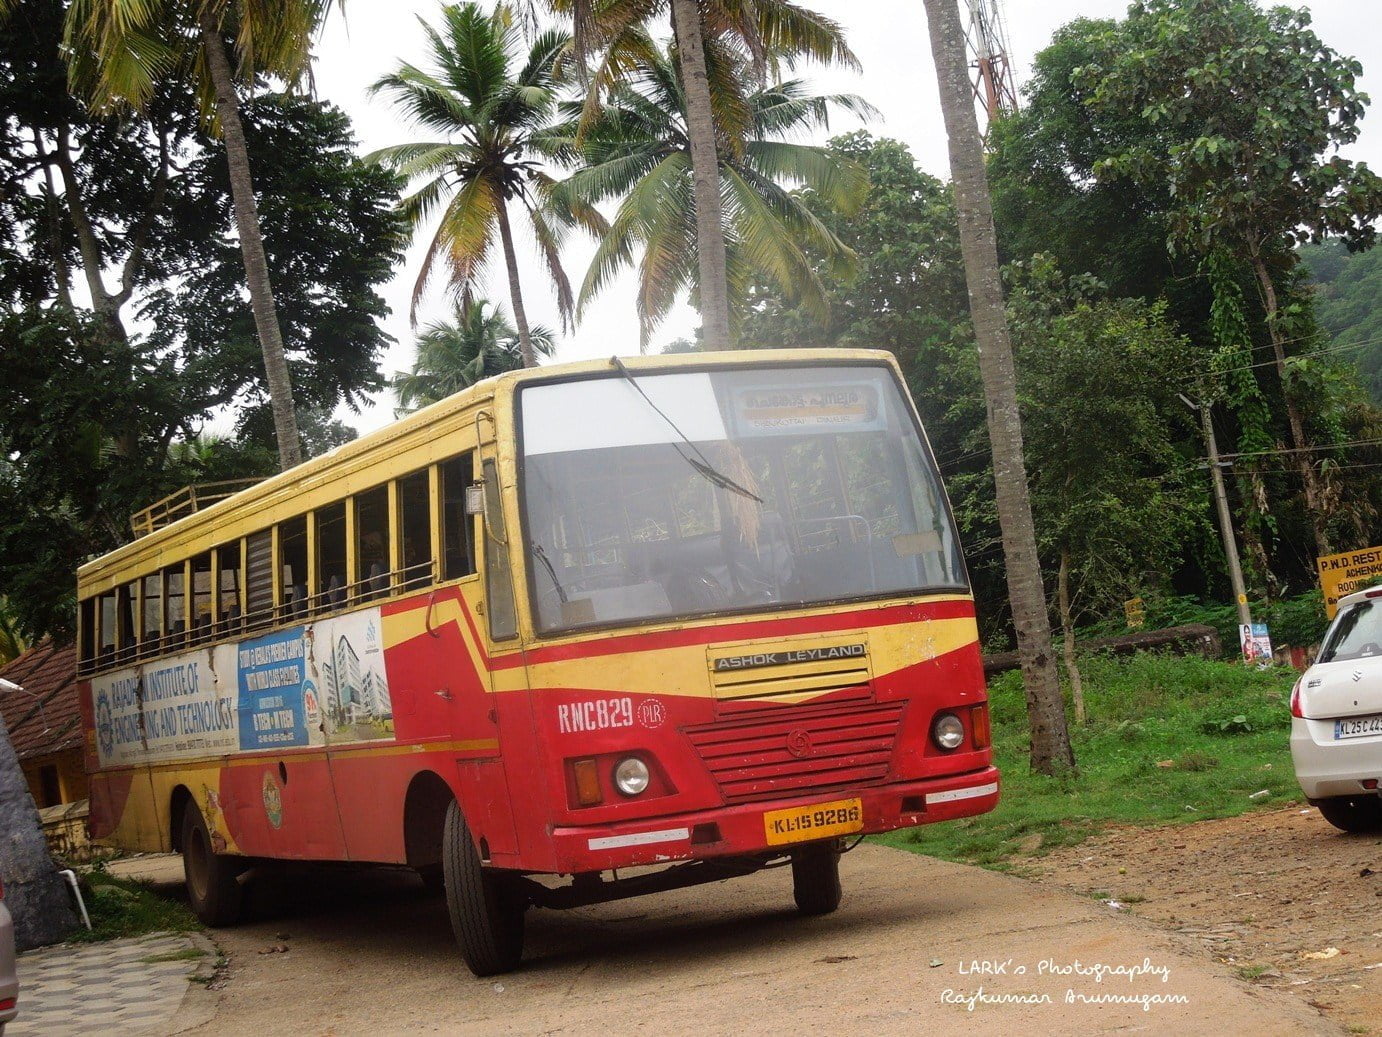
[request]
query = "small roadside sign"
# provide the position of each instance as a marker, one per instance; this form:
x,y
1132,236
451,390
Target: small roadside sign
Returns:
x,y
1345,573
1136,613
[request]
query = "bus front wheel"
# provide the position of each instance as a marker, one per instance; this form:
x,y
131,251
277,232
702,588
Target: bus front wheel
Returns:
x,y
213,886
816,878
486,910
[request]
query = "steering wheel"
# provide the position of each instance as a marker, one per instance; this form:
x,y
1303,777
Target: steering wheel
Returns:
x,y
694,590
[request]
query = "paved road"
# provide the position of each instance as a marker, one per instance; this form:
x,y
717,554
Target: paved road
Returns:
x,y
371,953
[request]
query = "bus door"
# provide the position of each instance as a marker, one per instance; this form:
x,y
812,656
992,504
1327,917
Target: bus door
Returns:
x,y
491,799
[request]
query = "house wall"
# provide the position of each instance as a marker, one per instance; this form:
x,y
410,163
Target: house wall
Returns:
x,y
71,775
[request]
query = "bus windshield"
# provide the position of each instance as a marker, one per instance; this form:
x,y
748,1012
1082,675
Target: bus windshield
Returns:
x,y
654,496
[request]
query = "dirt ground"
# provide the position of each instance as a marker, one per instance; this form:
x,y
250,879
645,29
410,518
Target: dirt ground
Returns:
x,y
918,944
1281,897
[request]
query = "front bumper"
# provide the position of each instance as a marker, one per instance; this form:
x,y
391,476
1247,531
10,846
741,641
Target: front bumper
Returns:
x,y
1328,768
739,830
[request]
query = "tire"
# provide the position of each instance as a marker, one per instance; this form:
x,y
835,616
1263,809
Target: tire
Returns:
x,y
486,909
213,888
816,878
1353,813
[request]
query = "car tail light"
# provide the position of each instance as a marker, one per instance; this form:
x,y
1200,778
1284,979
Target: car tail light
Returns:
x,y
979,723
1295,699
7,1003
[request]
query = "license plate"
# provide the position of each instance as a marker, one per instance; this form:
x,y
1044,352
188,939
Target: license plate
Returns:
x,y
818,821
1358,727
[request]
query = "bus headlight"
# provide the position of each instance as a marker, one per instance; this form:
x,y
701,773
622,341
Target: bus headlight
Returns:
x,y
948,731
631,776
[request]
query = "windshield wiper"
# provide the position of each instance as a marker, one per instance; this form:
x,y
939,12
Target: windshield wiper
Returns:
x,y
541,556
700,462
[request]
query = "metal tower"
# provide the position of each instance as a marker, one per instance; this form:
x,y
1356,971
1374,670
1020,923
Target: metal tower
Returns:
x,y
995,84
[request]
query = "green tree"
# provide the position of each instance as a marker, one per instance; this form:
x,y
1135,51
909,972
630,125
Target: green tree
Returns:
x,y
640,150
1119,500
491,107
454,354
121,51
1243,113
1348,302
709,37
1051,751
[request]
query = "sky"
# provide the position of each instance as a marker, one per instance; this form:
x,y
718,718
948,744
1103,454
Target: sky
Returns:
x,y
898,78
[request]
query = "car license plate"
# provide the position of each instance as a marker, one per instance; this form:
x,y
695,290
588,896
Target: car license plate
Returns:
x,y
818,821
1358,727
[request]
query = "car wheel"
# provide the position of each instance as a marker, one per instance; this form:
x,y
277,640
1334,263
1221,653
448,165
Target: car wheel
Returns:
x,y
213,886
486,907
1353,813
816,878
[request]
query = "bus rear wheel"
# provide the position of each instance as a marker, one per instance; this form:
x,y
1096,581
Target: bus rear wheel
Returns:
x,y
213,887
486,910
816,878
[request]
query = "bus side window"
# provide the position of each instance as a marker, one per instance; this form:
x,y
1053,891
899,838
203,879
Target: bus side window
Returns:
x,y
199,618
107,640
87,652
126,597
228,611
259,575
503,623
174,582
372,543
415,528
292,568
457,527
153,613
332,578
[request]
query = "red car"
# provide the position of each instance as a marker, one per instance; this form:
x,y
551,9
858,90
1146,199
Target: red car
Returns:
x,y
9,978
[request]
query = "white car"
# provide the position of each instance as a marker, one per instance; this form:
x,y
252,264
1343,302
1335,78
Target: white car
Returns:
x,y
1336,725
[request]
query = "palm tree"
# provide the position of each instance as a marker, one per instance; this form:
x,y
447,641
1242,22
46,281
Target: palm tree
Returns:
x,y
767,32
452,355
640,149
119,51
1051,751
490,113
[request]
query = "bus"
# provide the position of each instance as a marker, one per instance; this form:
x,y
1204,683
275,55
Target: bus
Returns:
x,y
573,634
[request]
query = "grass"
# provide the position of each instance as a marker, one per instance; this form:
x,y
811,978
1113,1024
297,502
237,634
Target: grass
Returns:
x,y
1168,740
125,907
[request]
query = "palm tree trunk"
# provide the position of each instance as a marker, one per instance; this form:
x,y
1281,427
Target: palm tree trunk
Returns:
x,y
705,175
1067,629
520,315
252,244
1309,477
34,892
1051,750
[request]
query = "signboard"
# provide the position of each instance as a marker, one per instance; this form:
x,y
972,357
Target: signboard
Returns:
x,y
1136,612
1345,573
795,409
1257,644
320,684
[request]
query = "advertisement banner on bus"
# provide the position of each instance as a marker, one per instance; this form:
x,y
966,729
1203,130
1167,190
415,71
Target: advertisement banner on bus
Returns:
x,y
320,684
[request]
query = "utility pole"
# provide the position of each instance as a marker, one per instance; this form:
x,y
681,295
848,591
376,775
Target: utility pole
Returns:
x,y
1216,474
990,62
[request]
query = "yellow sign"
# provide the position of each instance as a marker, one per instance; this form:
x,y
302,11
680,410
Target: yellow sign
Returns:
x,y
798,824
1136,613
1345,573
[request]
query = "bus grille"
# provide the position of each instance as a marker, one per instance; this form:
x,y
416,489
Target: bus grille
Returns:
x,y
797,751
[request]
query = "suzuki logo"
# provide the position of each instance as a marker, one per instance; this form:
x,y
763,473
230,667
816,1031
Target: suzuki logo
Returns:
x,y
1357,675
799,743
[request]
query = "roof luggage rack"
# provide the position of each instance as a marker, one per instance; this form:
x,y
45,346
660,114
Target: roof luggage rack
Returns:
x,y
184,502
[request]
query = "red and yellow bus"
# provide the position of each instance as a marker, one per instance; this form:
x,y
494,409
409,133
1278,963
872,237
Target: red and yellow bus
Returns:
x,y
704,614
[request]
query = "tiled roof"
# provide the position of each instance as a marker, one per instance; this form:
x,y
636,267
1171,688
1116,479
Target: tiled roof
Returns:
x,y
46,720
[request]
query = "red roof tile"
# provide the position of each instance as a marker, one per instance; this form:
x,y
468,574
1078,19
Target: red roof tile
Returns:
x,y
45,720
